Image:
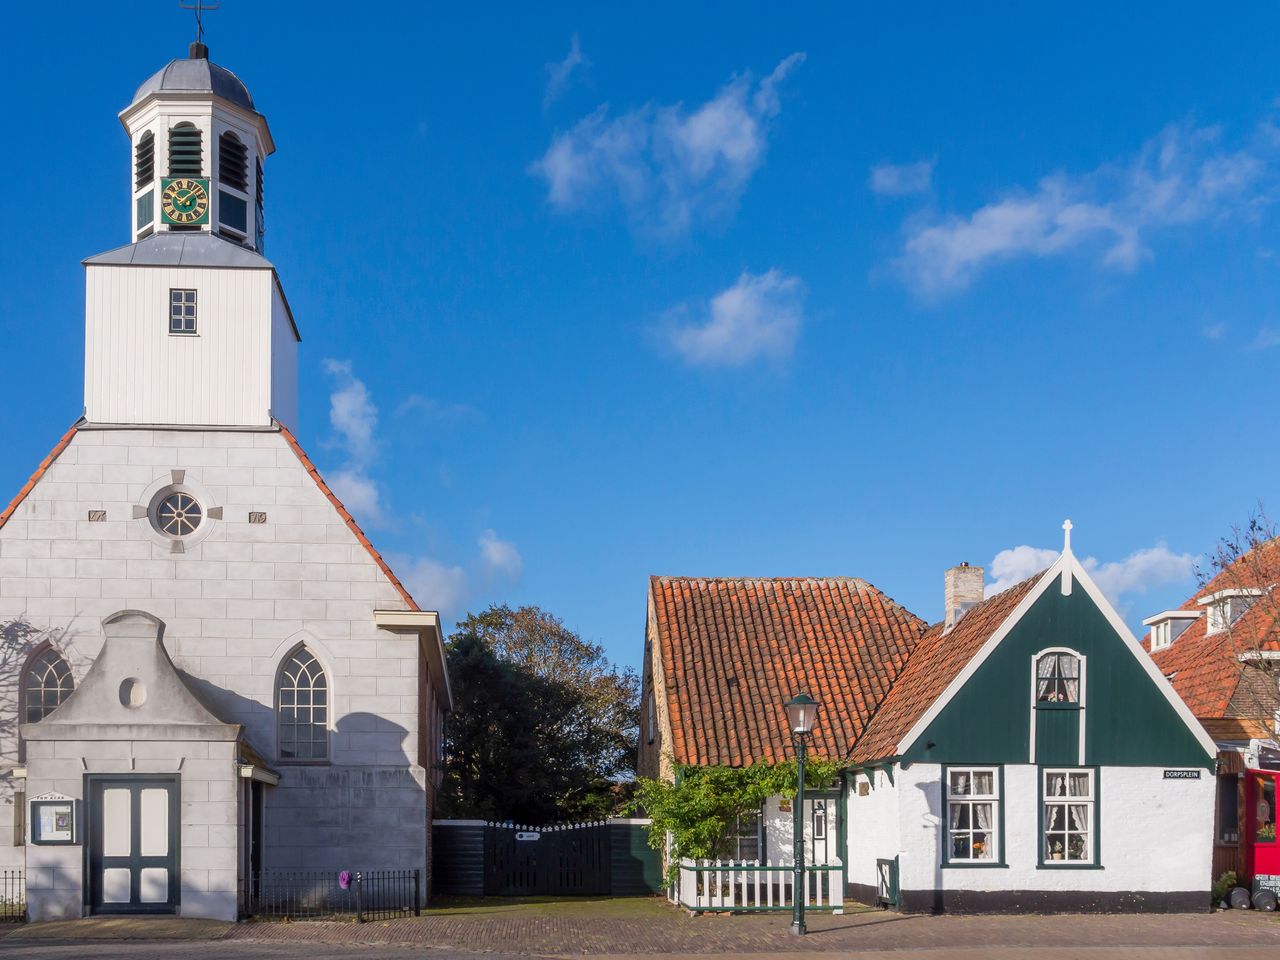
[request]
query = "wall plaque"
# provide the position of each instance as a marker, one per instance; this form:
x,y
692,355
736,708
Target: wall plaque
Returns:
x,y
1182,774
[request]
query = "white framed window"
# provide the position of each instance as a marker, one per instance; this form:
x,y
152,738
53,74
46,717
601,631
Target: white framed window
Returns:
x,y
973,814
1068,823
743,842
1058,678
182,311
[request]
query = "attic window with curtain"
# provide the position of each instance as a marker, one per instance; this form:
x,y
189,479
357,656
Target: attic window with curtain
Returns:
x,y
233,162
144,163
185,147
1058,679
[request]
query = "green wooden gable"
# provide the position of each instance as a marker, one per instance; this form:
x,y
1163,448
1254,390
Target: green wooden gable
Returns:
x,y
1127,717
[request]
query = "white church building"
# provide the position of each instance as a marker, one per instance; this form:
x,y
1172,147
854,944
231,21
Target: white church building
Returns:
x,y
206,669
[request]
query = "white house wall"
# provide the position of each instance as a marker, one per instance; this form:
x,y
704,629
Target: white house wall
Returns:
x,y
234,605
872,825
1155,835
136,372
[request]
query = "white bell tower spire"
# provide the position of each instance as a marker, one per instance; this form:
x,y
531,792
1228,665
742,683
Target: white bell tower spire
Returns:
x,y
188,325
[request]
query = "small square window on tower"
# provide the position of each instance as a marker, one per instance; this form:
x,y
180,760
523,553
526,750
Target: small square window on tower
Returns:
x,y
182,311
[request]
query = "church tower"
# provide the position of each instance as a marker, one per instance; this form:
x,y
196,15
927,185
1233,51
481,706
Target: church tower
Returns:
x,y
209,674
188,324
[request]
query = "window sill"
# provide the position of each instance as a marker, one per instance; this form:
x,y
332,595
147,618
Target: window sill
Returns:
x,y
975,866
1056,706
1063,865
304,763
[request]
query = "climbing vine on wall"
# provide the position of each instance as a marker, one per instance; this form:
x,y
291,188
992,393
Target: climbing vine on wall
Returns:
x,y
699,810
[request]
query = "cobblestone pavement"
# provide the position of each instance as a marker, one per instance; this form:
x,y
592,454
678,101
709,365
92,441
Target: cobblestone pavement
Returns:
x,y
651,929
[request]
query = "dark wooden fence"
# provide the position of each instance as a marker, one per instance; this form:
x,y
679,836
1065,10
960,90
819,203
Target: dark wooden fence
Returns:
x,y
607,858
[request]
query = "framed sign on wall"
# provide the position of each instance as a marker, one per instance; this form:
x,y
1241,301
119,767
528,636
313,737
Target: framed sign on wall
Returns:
x,y
53,820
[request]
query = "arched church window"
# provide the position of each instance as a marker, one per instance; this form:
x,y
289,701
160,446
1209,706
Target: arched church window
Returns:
x,y
144,165
303,697
233,162
46,683
185,146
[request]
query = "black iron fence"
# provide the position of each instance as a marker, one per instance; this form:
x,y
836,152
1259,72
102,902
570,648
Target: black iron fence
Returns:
x,y
13,896
329,895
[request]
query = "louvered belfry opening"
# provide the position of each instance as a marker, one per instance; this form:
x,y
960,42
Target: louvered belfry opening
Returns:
x,y
233,162
185,143
144,166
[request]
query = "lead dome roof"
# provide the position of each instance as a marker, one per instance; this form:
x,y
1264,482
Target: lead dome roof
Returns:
x,y
196,75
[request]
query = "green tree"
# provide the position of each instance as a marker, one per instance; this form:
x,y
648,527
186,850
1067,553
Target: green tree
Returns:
x,y
544,727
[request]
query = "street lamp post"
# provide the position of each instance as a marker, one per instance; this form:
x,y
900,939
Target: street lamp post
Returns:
x,y
801,711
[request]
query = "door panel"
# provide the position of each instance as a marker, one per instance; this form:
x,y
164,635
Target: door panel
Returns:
x,y
133,844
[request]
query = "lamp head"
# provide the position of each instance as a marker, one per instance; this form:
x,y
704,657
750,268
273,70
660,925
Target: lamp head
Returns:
x,y
802,710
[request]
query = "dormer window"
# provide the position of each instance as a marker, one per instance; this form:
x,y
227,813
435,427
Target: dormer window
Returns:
x,y
186,147
1225,607
1168,625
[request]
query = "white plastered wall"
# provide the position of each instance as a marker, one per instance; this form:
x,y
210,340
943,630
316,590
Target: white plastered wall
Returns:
x,y
1155,834
873,824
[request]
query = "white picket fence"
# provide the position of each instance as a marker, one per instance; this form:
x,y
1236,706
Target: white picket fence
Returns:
x,y
752,886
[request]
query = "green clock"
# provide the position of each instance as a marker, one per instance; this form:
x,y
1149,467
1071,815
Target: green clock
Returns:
x,y
184,201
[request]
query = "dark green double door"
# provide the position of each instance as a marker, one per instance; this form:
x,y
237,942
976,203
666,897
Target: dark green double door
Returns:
x,y
132,854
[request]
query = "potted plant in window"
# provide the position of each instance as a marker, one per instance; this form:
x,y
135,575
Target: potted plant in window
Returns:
x,y
1056,851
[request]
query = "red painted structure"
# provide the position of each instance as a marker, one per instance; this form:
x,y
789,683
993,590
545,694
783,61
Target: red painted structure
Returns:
x,y
1261,848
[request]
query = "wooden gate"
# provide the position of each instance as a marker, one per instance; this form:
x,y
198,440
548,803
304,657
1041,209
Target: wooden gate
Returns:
x,y
565,860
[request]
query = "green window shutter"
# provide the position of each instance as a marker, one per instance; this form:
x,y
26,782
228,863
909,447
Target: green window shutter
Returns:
x,y
144,165
233,162
185,144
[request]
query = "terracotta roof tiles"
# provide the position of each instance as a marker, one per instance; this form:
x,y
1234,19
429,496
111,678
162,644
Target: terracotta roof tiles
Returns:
x,y
734,650
936,660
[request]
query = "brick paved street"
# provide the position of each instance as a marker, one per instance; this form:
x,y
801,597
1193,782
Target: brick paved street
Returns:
x,y
640,928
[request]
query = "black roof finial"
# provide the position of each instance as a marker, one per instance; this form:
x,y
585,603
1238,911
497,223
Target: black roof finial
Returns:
x,y
198,50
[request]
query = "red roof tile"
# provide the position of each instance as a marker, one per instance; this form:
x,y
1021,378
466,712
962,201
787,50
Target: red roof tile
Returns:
x,y
1205,669
734,650
936,660
35,477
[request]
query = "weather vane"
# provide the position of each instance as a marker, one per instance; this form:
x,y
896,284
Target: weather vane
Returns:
x,y
199,7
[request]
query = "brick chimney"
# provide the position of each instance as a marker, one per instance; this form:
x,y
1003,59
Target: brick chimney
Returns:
x,y
964,589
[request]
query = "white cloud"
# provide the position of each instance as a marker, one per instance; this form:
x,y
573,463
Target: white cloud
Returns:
x,y
351,412
1181,176
358,494
1137,573
500,557
669,167
354,419
1267,338
1214,331
559,73
435,585
899,180
431,409
759,317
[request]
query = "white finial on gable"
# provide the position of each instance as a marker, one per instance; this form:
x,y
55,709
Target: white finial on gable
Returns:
x,y
1066,552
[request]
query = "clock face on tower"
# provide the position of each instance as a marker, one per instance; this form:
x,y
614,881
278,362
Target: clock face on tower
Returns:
x,y
184,201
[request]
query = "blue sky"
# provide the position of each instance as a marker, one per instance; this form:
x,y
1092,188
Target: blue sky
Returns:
x,y
588,294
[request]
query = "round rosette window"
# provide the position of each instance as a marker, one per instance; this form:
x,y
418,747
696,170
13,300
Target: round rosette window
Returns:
x,y
178,514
